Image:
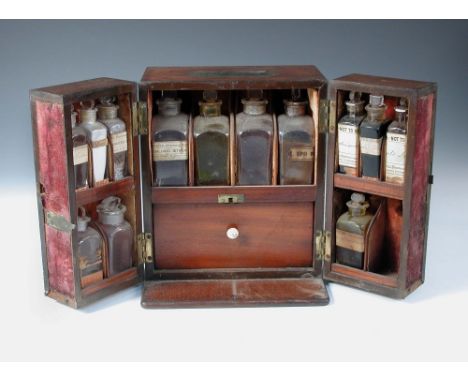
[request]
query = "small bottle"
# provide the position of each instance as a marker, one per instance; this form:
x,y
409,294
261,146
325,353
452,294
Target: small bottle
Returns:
x,y
254,138
372,131
351,229
80,154
119,234
211,135
296,143
170,146
90,245
117,132
396,145
348,135
97,138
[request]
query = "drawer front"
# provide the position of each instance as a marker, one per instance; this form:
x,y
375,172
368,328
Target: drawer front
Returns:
x,y
190,236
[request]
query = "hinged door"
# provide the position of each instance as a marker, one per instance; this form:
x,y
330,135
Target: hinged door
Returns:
x,y
387,256
68,276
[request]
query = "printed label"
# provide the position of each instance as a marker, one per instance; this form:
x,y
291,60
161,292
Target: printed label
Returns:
x,y
371,146
302,154
348,145
80,155
395,159
119,142
170,150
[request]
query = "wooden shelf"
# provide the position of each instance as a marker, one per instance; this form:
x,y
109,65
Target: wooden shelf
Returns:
x,y
252,194
95,194
359,274
128,277
375,187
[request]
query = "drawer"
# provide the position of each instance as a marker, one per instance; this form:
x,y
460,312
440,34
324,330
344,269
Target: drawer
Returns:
x,y
190,236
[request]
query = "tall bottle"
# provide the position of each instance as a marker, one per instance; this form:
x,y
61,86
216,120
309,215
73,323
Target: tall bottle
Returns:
x,y
90,246
97,137
80,154
396,145
254,138
296,144
117,132
372,131
211,135
351,229
348,135
119,234
170,146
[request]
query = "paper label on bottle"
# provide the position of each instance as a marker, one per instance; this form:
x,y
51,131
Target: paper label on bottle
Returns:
x,y
395,158
119,142
302,154
170,150
348,145
80,155
371,146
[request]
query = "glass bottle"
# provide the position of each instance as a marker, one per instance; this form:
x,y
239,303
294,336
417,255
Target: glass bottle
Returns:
x,y
351,228
119,234
211,135
254,139
80,153
170,147
296,144
90,245
396,145
348,135
97,137
372,131
117,132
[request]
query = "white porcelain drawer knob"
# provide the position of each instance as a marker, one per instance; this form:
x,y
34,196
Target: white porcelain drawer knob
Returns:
x,y
232,233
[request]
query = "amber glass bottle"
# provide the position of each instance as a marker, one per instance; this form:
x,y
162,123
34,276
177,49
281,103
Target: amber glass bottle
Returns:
x,y
211,135
372,131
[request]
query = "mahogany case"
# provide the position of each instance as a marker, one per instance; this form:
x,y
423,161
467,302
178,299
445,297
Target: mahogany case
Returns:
x,y
286,247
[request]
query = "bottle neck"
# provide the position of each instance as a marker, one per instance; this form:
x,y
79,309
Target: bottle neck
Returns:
x,y
375,114
169,107
88,115
107,112
357,210
110,219
401,117
256,107
210,109
295,109
355,110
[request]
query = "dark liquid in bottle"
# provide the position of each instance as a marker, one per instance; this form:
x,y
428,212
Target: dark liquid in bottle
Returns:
x,y
254,158
170,172
81,170
293,170
370,164
212,159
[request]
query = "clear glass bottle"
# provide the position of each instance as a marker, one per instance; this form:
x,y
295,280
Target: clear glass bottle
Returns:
x,y
395,159
117,132
90,245
119,234
170,146
254,140
97,137
296,144
80,154
348,135
372,131
350,248
211,136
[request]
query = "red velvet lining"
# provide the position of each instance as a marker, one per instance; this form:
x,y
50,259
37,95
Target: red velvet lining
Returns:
x,y
421,163
54,181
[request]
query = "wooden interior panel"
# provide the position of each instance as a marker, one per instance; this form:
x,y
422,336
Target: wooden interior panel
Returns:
x,y
241,292
271,235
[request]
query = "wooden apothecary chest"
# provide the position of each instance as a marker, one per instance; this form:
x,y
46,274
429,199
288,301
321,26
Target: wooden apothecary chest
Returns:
x,y
286,245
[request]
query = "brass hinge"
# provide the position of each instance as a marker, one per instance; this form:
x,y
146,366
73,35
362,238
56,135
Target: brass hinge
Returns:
x,y
145,247
327,116
140,118
323,245
58,222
